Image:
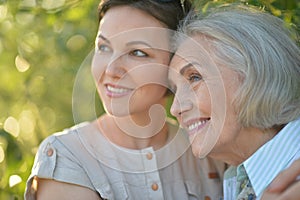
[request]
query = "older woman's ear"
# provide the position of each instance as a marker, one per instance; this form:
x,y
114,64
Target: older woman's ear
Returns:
x,y
285,185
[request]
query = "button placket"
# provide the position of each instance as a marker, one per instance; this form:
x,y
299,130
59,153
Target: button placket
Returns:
x,y
153,178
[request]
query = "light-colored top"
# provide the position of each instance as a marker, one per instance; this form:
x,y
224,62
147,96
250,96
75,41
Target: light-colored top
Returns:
x,y
83,156
266,163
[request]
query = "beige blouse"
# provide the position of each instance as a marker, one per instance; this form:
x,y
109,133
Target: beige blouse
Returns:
x,y
83,156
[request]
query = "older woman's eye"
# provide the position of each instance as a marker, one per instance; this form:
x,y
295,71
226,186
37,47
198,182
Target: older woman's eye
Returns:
x,y
172,88
194,77
138,53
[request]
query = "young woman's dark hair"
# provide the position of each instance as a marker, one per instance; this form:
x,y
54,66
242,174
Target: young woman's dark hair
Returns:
x,y
159,9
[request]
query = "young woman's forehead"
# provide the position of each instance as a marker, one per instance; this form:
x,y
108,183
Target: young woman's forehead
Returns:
x,y
124,23
128,18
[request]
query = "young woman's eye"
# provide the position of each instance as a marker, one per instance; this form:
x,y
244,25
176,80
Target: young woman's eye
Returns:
x,y
194,77
103,48
138,53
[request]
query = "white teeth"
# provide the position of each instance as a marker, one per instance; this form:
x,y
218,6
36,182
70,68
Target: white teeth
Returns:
x,y
117,90
196,124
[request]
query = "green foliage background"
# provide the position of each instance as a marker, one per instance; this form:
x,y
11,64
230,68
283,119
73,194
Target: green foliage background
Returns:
x,y
43,43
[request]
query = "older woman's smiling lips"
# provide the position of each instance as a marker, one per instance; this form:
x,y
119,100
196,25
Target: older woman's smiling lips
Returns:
x,y
193,126
116,91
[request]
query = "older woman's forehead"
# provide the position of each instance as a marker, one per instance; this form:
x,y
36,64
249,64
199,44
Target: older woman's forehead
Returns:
x,y
177,62
193,51
195,46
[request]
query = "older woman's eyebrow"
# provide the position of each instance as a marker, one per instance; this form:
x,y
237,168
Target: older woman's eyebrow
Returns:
x,y
103,38
184,68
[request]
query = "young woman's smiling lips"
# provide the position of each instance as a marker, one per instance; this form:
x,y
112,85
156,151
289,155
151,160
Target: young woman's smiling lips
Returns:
x,y
115,91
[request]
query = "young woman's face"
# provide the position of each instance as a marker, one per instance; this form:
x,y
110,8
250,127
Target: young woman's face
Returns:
x,y
130,64
204,89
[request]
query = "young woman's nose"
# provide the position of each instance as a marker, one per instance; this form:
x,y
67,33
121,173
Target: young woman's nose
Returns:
x,y
116,67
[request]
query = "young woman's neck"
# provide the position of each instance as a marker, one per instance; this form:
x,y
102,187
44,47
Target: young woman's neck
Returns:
x,y
137,131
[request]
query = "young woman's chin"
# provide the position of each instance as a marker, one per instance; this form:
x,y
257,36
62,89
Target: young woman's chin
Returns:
x,y
116,112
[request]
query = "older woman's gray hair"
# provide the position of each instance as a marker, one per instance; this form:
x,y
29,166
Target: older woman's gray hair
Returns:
x,y
258,46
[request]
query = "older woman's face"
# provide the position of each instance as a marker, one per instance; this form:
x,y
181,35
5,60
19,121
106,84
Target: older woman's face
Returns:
x,y
204,90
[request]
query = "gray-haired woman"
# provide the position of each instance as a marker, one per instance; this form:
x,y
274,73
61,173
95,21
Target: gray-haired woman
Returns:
x,y
236,77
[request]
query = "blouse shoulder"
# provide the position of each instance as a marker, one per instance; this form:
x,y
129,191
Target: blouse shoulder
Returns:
x,y
62,157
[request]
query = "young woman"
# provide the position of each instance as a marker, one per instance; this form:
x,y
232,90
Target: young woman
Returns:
x,y
132,151
237,95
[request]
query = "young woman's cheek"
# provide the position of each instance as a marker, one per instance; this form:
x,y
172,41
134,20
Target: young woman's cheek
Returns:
x,y
98,66
149,70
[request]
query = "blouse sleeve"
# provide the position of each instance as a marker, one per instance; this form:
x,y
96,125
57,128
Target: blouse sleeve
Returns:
x,y
54,161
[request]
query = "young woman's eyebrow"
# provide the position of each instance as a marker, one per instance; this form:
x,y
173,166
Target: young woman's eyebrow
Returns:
x,y
128,44
137,43
103,38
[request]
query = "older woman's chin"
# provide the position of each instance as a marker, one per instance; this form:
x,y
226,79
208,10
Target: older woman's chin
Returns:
x,y
203,144
201,150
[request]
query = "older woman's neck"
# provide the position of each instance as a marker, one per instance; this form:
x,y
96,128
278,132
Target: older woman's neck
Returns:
x,y
245,145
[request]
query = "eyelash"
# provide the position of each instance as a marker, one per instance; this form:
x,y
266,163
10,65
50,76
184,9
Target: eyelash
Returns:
x,y
172,88
191,77
103,48
136,51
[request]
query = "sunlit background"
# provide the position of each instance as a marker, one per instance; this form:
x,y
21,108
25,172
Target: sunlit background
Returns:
x,y
42,45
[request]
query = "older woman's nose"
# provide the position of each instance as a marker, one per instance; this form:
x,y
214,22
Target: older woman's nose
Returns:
x,y
180,105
